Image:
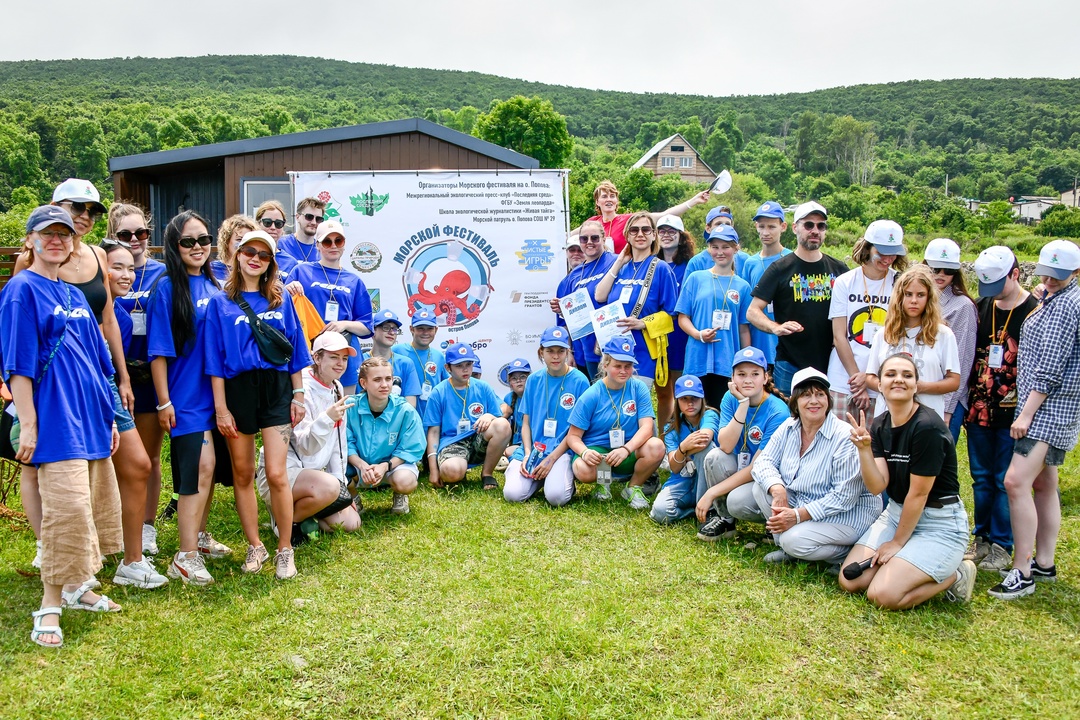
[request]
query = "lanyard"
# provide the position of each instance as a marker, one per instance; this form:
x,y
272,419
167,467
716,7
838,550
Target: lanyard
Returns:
x,y
424,362
464,400
616,408
337,280
304,247
585,270
866,290
731,279
547,376
142,277
750,422
996,338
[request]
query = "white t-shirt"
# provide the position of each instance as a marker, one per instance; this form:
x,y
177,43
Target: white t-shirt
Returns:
x,y
863,303
933,363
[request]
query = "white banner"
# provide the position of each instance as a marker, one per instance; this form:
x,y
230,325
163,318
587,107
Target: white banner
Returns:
x,y
483,251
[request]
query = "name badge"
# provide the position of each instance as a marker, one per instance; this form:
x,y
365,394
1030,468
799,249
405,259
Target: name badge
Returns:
x,y
550,427
996,358
138,323
616,438
768,309
869,332
331,313
744,460
463,425
603,473
425,391
688,469
624,295
721,320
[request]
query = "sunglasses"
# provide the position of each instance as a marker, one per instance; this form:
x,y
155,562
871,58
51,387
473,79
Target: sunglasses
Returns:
x,y
643,230
944,271
584,239
332,242
125,236
78,208
113,242
810,225
250,252
268,223
190,242
310,216
64,235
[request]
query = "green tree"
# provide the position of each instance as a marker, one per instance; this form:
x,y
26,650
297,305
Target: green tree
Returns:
x,y
692,132
995,215
719,151
1060,223
530,126
20,163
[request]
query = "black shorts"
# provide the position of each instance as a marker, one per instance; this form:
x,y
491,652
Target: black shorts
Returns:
x,y
184,454
259,399
222,459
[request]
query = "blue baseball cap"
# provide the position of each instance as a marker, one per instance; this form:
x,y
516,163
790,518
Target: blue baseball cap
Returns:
x,y
459,353
689,385
770,209
750,355
555,337
46,215
385,316
476,369
518,365
621,347
716,212
423,318
724,233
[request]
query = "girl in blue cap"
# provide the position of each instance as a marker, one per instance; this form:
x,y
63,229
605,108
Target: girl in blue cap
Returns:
x,y
549,398
613,426
687,438
513,375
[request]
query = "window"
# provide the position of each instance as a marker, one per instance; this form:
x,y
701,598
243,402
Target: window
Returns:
x,y
678,148
255,191
686,162
668,162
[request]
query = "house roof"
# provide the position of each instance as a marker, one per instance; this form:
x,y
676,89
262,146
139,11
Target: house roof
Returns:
x,y
318,137
664,143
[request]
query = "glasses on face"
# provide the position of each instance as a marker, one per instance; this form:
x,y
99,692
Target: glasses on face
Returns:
x,y
64,235
586,239
311,216
810,225
125,236
332,242
643,230
945,271
78,208
668,232
250,252
389,329
190,242
268,223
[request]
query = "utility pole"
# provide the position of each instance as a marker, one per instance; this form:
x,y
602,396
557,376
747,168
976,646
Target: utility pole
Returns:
x,y
946,184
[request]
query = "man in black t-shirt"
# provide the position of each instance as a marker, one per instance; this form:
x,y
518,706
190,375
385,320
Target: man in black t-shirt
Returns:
x,y
1002,308
798,287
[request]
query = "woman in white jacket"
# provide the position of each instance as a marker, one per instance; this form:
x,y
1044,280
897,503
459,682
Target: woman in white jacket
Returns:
x,y
318,449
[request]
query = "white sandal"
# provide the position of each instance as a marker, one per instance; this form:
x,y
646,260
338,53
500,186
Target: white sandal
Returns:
x,y
40,629
73,600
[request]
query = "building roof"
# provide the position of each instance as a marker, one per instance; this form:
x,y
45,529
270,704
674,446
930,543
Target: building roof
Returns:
x,y
664,143
319,137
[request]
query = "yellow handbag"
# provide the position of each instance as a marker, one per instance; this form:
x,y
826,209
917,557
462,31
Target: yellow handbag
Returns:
x,y
657,327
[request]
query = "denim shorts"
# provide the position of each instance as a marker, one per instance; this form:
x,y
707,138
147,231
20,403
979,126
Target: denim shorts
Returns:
x,y
1055,457
936,546
124,421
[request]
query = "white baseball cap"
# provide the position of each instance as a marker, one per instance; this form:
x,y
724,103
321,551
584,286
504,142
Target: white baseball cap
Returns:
x,y
1058,259
672,221
992,267
809,208
809,374
942,253
76,190
329,226
886,236
331,341
573,241
261,236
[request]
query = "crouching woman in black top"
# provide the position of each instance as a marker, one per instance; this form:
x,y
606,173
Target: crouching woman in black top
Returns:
x,y
915,549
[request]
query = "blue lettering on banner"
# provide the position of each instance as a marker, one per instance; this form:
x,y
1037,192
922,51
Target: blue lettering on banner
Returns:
x,y
535,256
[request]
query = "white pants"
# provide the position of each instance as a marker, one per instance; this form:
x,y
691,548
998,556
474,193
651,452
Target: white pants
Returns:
x,y
558,485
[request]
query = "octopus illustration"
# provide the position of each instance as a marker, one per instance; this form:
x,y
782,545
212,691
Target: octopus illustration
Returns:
x,y
449,297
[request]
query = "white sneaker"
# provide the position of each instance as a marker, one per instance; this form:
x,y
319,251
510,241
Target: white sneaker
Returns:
x,y
149,539
401,504
284,565
504,462
191,568
211,548
141,574
36,562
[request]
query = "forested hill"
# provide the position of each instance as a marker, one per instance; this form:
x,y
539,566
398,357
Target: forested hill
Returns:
x,y
956,115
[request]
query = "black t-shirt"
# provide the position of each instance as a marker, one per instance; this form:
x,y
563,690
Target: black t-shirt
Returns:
x,y
921,446
992,392
802,291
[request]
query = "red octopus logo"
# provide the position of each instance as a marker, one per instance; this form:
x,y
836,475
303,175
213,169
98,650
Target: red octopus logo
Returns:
x,y
451,280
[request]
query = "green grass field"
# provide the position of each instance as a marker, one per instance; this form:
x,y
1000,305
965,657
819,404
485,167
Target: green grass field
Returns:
x,y
470,607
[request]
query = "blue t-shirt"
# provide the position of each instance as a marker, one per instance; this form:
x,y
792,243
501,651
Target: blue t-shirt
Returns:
x,y
136,302
703,261
230,344
73,398
298,251
703,293
586,275
323,284
285,265
397,432
447,405
189,386
662,296
405,381
124,321
551,397
710,420
761,421
430,367
751,273
676,351
515,418
220,270
600,410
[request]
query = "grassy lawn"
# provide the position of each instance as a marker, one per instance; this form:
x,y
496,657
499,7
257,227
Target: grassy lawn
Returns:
x,y
471,607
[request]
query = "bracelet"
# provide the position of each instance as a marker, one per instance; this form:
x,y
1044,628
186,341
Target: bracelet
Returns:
x,y
432,453
700,337
299,404
798,516
166,405
298,391
741,422
675,452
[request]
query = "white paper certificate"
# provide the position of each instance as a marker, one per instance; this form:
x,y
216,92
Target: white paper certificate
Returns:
x,y
604,322
577,310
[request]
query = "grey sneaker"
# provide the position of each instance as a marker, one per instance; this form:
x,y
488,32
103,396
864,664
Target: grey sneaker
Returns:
x,y
636,498
191,568
149,540
977,550
998,558
401,504
211,548
140,574
960,591
284,565
603,492
256,556
778,556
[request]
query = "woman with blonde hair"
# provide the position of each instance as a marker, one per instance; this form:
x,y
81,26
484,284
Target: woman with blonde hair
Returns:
x,y
228,238
913,327
271,219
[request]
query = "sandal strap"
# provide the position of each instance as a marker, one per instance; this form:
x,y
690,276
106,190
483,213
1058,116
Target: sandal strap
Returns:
x,y
55,610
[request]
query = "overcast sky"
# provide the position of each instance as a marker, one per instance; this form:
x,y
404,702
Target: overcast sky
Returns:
x,y
709,47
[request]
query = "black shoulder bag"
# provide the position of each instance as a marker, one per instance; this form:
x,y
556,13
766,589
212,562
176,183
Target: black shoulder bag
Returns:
x,y
273,345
